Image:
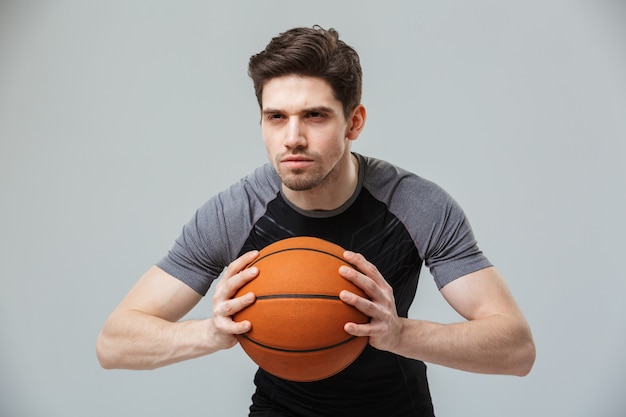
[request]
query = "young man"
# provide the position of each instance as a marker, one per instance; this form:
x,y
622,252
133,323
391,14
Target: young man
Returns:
x,y
308,85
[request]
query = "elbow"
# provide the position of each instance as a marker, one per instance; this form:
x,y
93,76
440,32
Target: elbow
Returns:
x,y
525,357
104,355
101,355
528,361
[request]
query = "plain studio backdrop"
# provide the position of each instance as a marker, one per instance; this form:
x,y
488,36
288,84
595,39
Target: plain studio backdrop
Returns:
x,y
119,118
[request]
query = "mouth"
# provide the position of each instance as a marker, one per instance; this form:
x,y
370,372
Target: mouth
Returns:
x,y
296,162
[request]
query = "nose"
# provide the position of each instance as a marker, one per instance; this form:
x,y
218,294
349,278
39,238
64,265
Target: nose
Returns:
x,y
294,136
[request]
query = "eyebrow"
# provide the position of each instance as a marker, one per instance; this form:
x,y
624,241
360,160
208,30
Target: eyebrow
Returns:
x,y
315,109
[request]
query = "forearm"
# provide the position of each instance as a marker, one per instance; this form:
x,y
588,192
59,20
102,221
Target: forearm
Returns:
x,y
135,340
497,344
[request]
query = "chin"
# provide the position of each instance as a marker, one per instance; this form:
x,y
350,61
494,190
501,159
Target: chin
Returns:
x,y
296,181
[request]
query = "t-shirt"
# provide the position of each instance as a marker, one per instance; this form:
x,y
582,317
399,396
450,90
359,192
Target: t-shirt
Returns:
x,y
395,218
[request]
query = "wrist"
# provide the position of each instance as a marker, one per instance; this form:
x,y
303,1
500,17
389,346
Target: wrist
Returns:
x,y
410,338
213,339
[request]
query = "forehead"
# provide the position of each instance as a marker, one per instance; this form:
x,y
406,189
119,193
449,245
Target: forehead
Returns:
x,y
295,92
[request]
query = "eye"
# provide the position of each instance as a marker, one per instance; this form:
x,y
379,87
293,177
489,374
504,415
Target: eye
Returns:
x,y
315,115
274,116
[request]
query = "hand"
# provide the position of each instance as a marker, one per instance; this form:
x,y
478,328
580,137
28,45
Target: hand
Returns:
x,y
222,327
384,328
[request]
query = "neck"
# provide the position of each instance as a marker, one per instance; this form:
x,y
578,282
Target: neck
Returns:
x,y
332,193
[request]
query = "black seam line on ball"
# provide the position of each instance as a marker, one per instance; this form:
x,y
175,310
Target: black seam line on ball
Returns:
x,y
343,342
320,296
303,248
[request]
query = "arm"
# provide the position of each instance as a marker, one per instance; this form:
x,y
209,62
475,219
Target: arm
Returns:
x,y
495,339
144,331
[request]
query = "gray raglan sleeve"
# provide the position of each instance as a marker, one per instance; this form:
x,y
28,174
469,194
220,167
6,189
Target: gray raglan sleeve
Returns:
x,y
437,224
444,235
215,234
200,253
441,231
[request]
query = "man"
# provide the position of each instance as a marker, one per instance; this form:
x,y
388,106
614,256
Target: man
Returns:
x,y
308,85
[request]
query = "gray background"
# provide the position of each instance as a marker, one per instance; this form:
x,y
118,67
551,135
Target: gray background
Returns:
x,y
119,118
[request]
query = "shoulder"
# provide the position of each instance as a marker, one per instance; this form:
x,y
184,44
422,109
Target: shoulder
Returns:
x,y
261,185
263,178
398,187
211,239
233,211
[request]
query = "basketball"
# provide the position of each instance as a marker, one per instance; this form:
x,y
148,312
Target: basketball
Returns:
x,y
297,319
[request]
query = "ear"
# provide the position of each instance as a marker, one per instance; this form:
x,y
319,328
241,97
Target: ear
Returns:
x,y
356,122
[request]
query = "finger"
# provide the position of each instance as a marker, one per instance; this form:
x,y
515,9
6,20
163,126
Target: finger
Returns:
x,y
364,266
238,327
364,305
228,286
226,326
232,306
235,305
241,327
243,277
363,281
240,263
355,329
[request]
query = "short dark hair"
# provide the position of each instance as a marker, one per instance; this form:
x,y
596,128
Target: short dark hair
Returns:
x,y
314,52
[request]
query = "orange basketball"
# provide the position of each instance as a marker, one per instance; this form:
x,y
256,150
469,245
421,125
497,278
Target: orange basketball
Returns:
x,y
297,319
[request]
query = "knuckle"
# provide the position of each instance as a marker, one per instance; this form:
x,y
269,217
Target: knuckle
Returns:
x,y
370,287
370,308
222,309
228,309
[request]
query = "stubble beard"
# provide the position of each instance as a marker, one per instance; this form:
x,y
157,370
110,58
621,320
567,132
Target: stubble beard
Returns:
x,y
304,180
